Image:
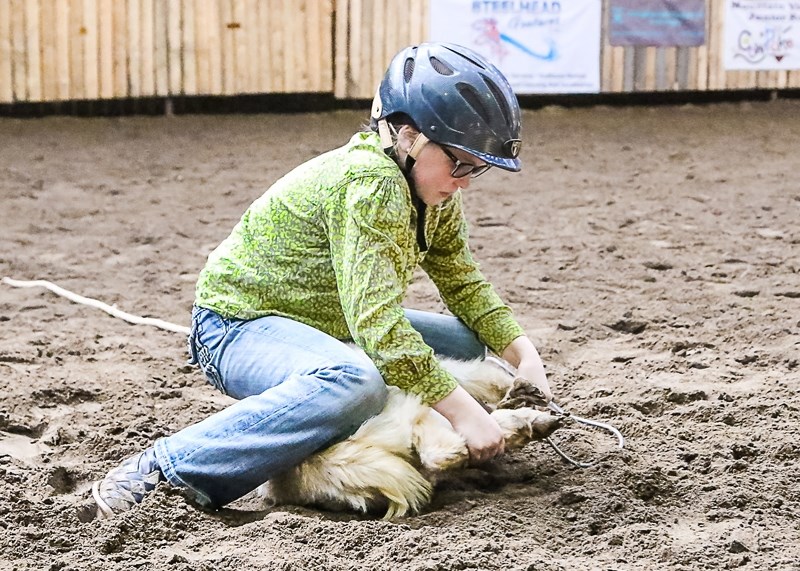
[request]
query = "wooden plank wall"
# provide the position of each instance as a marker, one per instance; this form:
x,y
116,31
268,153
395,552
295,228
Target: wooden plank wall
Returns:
x,y
58,50
368,34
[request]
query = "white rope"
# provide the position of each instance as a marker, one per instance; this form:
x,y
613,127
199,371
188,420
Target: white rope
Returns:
x,y
130,318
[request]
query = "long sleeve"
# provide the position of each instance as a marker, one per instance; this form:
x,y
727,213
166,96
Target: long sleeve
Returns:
x,y
464,289
371,241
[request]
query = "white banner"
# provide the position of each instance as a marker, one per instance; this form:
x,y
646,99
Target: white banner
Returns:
x,y
541,46
762,34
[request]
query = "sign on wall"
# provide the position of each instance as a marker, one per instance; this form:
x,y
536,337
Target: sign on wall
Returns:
x,y
762,35
541,46
657,23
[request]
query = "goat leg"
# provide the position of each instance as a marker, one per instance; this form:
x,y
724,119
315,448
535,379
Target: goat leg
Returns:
x,y
521,425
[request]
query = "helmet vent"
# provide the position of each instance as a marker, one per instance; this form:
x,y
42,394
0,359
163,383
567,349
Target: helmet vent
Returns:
x,y
408,69
473,61
441,67
500,98
471,96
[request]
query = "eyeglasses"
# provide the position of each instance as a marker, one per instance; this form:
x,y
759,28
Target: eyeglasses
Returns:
x,y
462,169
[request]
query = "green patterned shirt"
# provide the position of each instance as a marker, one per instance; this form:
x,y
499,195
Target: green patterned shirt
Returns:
x,y
333,244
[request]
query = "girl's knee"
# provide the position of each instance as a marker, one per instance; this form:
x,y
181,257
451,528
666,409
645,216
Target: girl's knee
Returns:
x,y
367,392
354,393
374,392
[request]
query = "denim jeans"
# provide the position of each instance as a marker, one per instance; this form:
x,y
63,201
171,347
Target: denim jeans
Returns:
x,y
298,391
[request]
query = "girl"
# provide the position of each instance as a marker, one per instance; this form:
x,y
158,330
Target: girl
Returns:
x,y
325,256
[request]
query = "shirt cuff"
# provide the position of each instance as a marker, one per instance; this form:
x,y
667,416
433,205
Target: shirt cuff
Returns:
x,y
498,329
432,387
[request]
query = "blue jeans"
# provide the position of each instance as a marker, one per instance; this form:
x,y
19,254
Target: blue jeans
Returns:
x,y
299,390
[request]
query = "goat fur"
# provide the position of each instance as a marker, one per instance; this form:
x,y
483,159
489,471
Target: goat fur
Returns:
x,y
392,460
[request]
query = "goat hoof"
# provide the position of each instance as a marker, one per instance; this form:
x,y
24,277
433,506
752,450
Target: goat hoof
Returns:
x,y
545,425
523,394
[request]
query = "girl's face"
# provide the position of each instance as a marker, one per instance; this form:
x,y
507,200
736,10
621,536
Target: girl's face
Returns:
x,y
432,172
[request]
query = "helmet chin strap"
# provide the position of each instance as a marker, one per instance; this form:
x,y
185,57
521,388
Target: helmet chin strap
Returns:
x,y
385,133
388,141
388,144
413,151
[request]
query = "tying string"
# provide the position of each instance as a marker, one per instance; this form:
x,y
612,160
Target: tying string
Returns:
x,y
111,310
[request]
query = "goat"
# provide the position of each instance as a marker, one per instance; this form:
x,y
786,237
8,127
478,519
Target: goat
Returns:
x,y
392,460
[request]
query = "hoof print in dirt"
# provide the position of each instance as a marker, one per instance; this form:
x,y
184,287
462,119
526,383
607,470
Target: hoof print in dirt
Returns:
x,y
628,326
652,486
684,397
86,511
61,480
658,266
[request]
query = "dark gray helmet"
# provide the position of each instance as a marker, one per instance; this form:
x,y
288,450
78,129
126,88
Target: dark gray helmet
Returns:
x,y
456,98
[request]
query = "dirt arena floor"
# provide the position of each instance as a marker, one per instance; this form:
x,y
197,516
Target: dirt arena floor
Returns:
x,y
652,253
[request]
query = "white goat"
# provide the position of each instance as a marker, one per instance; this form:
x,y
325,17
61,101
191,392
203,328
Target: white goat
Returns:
x,y
392,460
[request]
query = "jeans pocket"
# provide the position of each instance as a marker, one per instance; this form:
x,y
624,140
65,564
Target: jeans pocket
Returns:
x,y
200,354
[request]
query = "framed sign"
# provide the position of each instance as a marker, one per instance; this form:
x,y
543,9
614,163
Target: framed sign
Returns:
x,y
662,23
762,35
541,47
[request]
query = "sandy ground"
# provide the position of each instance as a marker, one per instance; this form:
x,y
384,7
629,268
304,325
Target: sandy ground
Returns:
x,y
652,253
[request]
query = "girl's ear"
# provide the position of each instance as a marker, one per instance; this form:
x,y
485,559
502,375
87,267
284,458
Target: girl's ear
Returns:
x,y
406,136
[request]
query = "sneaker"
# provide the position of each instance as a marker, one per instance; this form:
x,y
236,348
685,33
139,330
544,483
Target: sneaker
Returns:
x,y
126,485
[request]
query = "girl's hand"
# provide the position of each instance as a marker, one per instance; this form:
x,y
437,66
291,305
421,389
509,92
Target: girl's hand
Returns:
x,y
483,437
533,372
480,431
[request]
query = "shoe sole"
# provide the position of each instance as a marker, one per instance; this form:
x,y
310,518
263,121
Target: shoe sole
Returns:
x,y
104,511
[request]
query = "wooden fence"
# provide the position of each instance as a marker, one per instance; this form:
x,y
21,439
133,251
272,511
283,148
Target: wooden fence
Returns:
x,y
368,34
58,50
